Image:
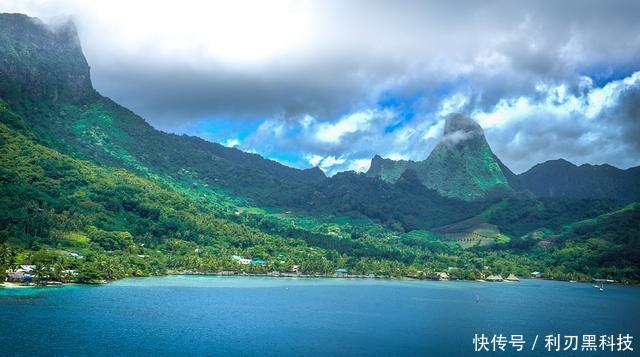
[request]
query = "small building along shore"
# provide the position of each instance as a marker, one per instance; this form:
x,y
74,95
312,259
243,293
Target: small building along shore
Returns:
x,y
440,276
494,278
512,277
242,260
23,274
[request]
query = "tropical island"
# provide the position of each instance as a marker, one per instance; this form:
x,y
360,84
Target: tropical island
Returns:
x,y
90,192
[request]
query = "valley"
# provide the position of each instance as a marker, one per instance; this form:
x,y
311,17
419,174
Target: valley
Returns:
x,y
90,192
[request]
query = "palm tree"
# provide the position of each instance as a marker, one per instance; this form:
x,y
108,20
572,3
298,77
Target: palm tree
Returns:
x,y
41,272
57,270
109,268
7,256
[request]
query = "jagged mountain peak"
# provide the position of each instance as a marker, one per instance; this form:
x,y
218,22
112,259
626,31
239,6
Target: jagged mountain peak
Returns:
x,y
43,68
41,62
462,165
460,123
460,130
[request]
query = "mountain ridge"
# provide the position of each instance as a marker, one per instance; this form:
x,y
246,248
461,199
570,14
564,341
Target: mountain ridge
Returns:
x,y
461,165
83,175
73,117
79,121
44,67
561,178
549,179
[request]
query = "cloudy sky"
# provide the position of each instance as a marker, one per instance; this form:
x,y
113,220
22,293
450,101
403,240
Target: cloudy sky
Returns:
x,y
331,83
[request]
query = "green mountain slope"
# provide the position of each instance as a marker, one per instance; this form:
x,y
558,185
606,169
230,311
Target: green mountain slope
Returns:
x,y
607,245
53,206
50,199
462,165
88,126
45,78
560,178
404,205
81,174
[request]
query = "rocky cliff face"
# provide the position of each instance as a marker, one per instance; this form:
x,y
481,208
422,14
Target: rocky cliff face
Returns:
x,y
45,78
462,165
41,63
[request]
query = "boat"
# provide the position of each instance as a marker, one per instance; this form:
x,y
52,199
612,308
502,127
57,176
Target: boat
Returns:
x,y
602,288
596,286
572,281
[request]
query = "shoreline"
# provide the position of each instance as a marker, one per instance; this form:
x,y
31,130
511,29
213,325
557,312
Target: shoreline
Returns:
x,y
379,277
292,275
12,285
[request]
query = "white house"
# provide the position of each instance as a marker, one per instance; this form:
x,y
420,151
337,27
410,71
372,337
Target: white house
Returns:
x,y
240,259
27,269
70,272
23,271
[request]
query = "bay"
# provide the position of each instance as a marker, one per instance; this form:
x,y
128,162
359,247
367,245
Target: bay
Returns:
x,y
198,315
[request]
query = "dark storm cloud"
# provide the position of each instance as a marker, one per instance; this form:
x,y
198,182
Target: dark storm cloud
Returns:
x,y
590,125
280,62
626,116
182,94
354,48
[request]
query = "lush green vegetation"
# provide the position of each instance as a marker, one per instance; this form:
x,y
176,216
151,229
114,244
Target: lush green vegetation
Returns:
x,y
90,192
461,166
560,178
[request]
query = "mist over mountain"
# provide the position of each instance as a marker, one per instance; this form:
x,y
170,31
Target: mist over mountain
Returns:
x,y
462,165
79,171
91,192
40,62
44,64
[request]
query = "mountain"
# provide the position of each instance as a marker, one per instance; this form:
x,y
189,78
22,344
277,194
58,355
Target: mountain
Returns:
x,y
82,175
461,166
388,170
87,185
40,64
45,79
85,125
560,178
403,205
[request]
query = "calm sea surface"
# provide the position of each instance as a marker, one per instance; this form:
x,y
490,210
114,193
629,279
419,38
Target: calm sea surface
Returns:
x,y
187,315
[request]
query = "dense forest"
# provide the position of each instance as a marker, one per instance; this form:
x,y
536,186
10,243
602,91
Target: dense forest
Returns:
x,y
90,192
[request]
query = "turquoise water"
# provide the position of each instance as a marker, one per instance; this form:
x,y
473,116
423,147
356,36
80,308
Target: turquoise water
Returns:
x,y
181,315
